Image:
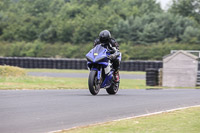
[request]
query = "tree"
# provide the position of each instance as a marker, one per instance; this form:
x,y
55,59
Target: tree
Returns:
x,y
187,8
191,35
80,21
152,33
4,5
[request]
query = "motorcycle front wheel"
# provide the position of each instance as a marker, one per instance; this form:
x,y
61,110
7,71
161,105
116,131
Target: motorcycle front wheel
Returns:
x,y
94,87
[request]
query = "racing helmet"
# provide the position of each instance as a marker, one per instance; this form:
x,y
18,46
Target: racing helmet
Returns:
x,y
104,36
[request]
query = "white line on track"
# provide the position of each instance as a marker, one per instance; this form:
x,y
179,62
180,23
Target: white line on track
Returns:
x,y
127,118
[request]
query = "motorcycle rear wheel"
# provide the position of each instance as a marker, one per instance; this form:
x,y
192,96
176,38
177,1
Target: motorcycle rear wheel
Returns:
x,y
113,89
93,83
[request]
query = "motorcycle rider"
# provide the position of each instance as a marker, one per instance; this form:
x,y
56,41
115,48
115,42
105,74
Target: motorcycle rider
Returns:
x,y
110,44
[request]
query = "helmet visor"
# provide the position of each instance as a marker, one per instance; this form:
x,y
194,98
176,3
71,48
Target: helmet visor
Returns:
x,y
104,40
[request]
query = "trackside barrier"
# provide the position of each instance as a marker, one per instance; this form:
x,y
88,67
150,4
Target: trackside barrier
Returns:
x,y
53,63
151,67
152,77
139,65
198,78
64,63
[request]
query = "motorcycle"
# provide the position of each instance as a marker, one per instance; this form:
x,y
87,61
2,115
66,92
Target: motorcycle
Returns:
x,y
101,70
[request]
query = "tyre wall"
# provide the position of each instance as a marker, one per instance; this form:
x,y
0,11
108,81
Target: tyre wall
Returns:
x,y
52,63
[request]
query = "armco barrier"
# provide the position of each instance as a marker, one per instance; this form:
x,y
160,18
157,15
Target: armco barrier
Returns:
x,y
52,63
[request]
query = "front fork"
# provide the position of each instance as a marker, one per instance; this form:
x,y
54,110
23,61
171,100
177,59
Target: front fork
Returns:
x,y
99,75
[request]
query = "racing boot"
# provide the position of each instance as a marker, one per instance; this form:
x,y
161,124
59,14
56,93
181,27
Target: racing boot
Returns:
x,y
116,76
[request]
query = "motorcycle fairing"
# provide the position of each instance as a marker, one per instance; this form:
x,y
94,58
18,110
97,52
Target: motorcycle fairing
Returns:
x,y
107,80
98,55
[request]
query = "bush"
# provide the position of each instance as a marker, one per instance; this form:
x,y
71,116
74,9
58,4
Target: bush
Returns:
x,y
156,51
66,50
7,71
42,49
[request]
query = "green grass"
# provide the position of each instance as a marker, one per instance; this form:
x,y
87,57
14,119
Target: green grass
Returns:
x,y
28,82
132,84
181,121
6,71
57,70
76,71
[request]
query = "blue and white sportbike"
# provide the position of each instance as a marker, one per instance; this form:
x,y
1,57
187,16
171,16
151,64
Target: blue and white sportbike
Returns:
x,y
101,70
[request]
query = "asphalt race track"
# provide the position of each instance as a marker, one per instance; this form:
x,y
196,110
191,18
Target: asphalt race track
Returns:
x,y
81,75
35,111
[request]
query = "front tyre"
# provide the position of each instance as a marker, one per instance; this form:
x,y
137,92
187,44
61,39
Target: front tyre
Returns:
x,y
112,90
94,87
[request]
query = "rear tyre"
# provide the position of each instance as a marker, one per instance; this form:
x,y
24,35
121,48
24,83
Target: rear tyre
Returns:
x,y
113,89
93,83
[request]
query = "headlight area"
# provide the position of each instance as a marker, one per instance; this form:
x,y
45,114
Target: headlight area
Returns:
x,y
89,59
100,59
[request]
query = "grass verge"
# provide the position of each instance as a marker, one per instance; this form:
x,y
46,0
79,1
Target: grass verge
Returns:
x,y
28,82
181,121
77,71
7,71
